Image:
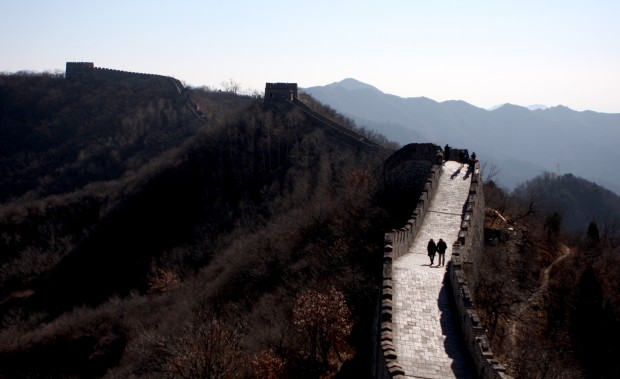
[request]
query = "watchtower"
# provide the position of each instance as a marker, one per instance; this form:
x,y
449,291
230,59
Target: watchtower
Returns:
x,y
280,91
75,69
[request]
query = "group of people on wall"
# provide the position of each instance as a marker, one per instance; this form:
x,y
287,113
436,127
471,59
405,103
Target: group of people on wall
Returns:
x,y
438,248
460,155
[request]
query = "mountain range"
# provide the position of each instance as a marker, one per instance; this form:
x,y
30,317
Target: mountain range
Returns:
x,y
519,142
142,239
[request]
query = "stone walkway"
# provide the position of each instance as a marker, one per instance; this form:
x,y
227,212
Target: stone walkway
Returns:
x,y
426,337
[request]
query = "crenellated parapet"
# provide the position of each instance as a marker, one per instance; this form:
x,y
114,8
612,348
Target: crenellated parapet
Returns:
x,y
349,134
415,152
87,70
396,244
402,238
465,249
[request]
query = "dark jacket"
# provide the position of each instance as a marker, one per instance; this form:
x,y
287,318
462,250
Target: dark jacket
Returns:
x,y
442,247
431,248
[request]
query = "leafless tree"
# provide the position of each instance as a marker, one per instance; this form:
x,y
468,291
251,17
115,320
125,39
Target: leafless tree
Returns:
x,y
231,86
207,348
489,171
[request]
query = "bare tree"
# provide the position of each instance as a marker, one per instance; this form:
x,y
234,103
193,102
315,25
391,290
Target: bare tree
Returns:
x,y
523,211
207,348
231,86
493,288
490,171
610,238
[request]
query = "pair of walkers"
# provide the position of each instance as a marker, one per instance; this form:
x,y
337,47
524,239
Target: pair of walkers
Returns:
x,y
437,248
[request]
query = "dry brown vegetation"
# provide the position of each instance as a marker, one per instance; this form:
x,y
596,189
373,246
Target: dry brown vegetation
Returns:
x,y
137,239
549,300
199,239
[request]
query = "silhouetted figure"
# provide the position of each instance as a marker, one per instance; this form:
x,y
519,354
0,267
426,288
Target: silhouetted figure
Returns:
x,y
431,248
461,157
464,158
441,250
446,152
472,160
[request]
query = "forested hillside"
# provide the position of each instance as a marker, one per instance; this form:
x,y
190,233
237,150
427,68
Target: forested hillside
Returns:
x,y
138,240
58,135
134,235
579,201
548,296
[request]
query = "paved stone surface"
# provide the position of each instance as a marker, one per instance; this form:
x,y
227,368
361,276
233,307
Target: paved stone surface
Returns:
x,y
426,337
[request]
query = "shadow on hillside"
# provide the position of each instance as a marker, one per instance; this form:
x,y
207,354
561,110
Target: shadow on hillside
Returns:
x,y
454,341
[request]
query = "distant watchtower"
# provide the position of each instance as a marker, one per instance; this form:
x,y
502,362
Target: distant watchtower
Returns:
x,y
280,91
76,69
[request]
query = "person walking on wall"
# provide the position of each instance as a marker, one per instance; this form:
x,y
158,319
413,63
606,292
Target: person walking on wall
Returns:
x,y
446,153
441,251
431,248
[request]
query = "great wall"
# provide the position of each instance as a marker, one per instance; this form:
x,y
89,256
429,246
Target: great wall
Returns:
x,y
88,71
397,354
402,345
288,92
74,70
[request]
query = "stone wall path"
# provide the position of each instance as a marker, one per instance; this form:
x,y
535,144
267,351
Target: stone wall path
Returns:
x,y
426,337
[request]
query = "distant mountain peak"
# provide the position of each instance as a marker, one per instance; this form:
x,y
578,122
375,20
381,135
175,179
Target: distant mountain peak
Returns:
x,y
496,106
353,84
534,107
507,106
561,108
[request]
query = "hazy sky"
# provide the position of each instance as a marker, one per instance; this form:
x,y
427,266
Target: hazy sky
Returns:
x,y
484,52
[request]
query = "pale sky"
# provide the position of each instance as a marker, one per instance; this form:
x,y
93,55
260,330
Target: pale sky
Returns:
x,y
483,52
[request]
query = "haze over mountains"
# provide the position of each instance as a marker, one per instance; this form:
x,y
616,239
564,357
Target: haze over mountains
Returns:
x,y
522,143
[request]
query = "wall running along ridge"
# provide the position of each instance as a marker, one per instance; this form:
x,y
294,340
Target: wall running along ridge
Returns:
x,y
87,70
469,244
396,244
465,251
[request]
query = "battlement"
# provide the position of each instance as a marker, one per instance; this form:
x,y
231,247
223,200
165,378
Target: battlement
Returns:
x,y
82,69
280,91
88,71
